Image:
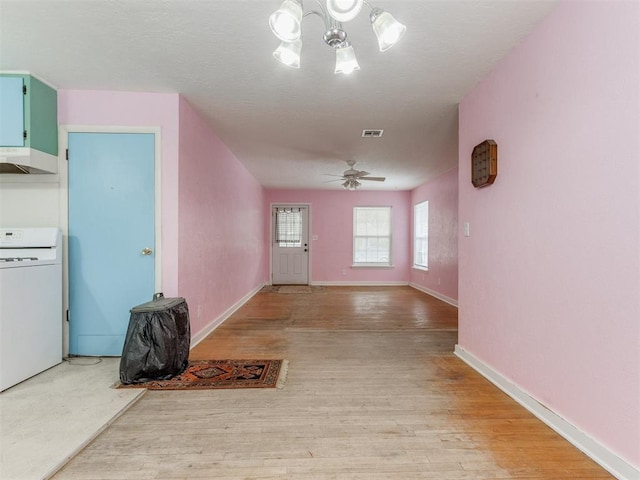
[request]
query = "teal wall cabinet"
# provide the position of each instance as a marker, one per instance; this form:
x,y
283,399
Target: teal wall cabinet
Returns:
x,y
28,125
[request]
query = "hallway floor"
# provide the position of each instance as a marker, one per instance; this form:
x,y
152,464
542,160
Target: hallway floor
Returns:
x,y
373,392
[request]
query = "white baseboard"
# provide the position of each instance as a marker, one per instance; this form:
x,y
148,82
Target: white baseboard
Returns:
x,y
202,334
600,454
433,293
359,284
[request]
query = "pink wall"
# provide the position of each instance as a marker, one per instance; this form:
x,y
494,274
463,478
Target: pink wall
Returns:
x,y
442,194
222,237
550,275
212,226
117,109
332,221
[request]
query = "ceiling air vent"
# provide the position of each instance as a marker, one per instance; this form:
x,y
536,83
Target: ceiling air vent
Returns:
x,y
372,133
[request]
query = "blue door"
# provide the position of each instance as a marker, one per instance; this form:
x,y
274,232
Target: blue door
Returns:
x,y
111,236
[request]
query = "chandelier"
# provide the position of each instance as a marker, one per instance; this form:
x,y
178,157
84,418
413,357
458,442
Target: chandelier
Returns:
x,y
286,25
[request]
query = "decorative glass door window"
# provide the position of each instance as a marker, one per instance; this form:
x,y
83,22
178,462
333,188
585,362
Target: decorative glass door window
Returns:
x,y
288,227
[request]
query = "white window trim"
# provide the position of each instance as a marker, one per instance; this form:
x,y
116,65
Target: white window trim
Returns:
x,y
372,265
388,264
415,265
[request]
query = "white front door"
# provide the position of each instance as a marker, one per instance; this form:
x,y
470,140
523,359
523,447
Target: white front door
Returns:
x,y
290,245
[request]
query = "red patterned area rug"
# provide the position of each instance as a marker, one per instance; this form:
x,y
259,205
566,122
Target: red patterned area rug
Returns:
x,y
212,374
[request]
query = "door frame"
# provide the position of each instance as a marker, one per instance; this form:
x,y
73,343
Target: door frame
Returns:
x,y
63,169
272,233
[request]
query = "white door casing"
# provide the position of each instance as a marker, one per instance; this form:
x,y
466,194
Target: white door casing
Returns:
x,y
63,133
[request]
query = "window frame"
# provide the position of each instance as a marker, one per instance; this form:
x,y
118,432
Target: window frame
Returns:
x,y
389,236
421,208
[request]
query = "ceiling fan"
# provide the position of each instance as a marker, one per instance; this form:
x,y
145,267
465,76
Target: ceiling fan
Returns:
x,y
352,176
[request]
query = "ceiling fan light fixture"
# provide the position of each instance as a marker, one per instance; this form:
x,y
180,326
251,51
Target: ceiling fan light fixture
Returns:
x,y
286,22
344,10
387,29
288,53
351,184
346,61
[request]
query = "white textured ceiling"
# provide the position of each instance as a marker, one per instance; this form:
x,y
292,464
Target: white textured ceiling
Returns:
x,y
288,127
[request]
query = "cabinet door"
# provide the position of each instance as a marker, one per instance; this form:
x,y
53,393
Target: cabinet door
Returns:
x,y
11,112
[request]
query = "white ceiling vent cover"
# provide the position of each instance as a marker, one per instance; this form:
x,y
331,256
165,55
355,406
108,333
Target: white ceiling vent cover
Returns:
x,y
372,133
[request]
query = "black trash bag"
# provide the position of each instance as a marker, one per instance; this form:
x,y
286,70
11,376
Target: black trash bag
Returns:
x,y
157,343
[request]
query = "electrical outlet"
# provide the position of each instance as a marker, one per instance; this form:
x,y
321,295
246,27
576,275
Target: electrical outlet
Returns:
x,y
344,271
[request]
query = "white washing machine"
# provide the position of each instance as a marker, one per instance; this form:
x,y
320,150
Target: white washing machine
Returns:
x,y
30,302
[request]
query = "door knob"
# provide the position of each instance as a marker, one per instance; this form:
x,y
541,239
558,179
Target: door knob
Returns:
x,y
146,251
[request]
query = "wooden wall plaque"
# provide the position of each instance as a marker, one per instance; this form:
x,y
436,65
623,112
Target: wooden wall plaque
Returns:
x,y
484,164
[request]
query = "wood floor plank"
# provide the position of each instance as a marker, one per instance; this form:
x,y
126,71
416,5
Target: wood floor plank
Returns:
x,y
373,391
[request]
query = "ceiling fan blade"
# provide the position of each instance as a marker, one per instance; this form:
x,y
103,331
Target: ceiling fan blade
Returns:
x,y
362,173
332,175
375,179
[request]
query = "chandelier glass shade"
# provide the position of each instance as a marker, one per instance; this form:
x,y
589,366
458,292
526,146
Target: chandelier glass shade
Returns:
x,y
286,24
288,53
387,29
346,59
344,10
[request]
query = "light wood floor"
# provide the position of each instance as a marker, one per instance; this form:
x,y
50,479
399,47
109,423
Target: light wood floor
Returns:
x,y
373,392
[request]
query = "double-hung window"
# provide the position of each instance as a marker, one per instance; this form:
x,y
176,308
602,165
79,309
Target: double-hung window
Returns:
x,y
421,235
372,236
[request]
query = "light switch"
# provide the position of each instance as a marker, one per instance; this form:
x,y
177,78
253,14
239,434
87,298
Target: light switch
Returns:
x,y
314,237
466,229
